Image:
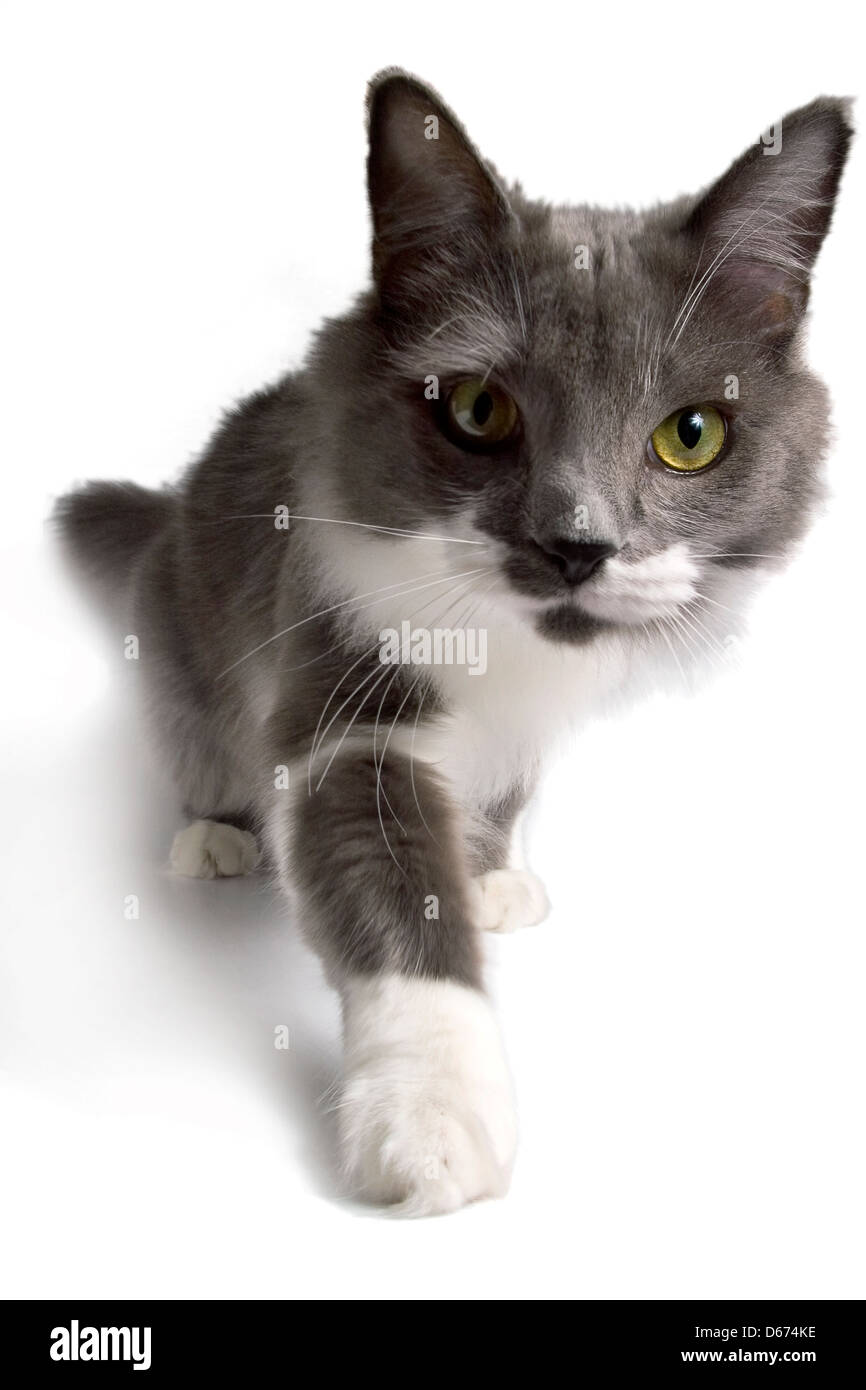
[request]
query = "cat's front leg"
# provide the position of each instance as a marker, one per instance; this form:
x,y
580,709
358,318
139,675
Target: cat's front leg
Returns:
x,y
507,899
426,1116
426,1112
507,895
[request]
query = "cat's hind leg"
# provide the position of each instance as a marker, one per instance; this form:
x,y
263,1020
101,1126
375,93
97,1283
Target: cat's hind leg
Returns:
x,y
214,849
201,734
219,841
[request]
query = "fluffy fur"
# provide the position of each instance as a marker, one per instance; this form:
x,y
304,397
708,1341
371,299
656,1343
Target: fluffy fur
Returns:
x,y
427,1112
387,795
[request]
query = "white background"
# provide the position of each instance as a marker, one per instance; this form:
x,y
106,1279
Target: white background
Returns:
x,y
184,199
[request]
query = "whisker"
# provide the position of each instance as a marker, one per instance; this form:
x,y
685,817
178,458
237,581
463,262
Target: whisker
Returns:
x,y
351,637
518,297
316,745
399,585
391,729
441,618
705,598
379,764
662,624
699,616
688,643
703,635
402,531
376,764
380,791
424,693
735,555
465,621
379,678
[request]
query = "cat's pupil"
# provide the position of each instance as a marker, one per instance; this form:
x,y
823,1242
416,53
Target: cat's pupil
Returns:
x,y
689,428
483,408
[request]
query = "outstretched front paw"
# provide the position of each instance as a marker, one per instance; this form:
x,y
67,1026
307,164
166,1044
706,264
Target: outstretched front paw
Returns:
x,y
426,1116
506,899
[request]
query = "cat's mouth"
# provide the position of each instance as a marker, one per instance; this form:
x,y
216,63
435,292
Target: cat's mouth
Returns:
x,y
636,591
620,590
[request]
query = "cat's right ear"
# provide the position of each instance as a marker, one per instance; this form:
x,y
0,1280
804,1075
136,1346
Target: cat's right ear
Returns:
x,y
431,194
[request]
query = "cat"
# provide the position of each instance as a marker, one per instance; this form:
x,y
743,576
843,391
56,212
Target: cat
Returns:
x,y
581,435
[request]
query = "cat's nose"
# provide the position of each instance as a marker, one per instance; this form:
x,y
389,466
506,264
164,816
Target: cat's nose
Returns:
x,y
576,560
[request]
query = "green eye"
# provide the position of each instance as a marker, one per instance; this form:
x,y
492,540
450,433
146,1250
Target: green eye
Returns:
x,y
689,439
479,415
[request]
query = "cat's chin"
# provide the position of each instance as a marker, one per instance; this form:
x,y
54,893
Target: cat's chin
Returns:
x,y
567,622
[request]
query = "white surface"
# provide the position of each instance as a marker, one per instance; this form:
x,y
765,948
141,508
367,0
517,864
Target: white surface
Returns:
x,y
184,200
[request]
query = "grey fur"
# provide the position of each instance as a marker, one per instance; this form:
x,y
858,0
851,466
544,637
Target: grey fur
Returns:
x,y
468,278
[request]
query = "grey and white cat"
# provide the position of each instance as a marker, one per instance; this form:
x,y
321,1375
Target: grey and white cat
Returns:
x,y
573,435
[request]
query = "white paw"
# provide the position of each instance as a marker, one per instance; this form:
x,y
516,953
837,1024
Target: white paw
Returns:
x,y
506,899
426,1115
210,849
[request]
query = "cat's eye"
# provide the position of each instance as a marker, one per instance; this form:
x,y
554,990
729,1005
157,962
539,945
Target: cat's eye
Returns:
x,y
479,415
690,439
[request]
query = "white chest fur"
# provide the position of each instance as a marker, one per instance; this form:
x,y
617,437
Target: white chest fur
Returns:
x,y
495,724
501,726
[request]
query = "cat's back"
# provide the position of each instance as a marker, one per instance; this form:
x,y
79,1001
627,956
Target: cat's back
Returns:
x,y
212,577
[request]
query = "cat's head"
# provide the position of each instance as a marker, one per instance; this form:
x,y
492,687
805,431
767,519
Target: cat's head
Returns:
x,y
612,402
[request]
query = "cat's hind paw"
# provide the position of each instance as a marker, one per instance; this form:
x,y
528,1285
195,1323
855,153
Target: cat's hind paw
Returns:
x,y
212,849
505,899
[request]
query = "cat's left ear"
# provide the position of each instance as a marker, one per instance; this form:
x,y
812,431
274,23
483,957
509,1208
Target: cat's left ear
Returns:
x,y
431,193
758,230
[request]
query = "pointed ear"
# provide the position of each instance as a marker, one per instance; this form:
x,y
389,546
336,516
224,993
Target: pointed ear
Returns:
x,y
760,227
428,185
